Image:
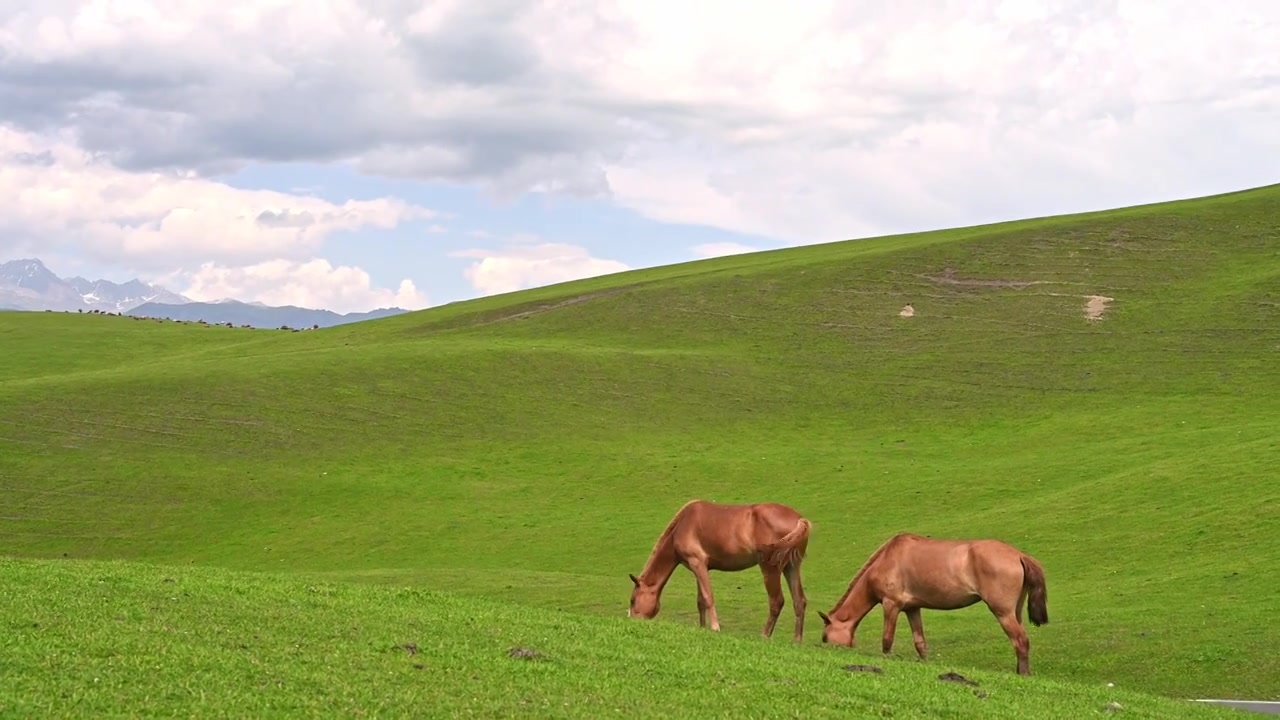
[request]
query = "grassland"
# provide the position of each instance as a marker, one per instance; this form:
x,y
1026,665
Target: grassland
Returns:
x,y
111,639
527,448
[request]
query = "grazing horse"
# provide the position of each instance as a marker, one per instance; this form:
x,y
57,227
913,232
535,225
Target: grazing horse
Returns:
x,y
706,536
910,572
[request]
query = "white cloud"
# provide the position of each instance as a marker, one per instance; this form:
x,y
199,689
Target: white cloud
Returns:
x,y
804,122
311,284
720,249
527,263
61,195
853,119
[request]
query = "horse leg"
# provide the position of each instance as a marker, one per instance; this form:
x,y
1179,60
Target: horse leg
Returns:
x,y
1017,636
798,600
773,586
890,625
917,632
705,597
702,609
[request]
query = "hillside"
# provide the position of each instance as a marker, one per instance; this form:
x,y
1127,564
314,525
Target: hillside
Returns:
x,y
529,447
104,639
256,315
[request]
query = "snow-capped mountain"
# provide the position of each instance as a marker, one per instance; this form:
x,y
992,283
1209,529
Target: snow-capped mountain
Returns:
x,y
27,284
125,296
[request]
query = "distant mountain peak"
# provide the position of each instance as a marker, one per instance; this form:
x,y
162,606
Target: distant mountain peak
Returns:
x,y
32,262
24,267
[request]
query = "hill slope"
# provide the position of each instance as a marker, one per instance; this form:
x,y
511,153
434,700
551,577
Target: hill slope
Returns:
x,y
112,639
531,446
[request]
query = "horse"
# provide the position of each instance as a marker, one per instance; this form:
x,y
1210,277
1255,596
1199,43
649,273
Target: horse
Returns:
x,y
705,536
910,572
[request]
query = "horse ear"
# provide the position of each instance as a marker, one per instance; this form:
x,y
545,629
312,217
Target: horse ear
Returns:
x,y
825,620
634,579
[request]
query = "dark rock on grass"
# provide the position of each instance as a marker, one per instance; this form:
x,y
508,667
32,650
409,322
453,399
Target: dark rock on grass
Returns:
x,y
524,653
956,678
863,668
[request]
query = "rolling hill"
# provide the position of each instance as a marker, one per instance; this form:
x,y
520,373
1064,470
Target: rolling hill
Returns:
x,y
1102,390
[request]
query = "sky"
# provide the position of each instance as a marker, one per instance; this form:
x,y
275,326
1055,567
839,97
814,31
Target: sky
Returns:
x,y
353,154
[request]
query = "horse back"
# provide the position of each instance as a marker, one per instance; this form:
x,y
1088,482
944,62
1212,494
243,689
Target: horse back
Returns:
x,y
927,572
732,536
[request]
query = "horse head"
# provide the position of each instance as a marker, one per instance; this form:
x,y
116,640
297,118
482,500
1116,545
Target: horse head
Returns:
x,y
644,600
837,632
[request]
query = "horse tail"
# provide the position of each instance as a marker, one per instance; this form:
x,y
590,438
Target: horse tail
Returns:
x,y
1033,583
790,548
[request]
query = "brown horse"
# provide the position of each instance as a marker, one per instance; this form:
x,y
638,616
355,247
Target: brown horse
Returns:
x,y
910,572
706,536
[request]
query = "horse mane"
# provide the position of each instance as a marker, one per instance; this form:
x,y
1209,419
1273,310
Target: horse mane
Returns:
x,y
884,546
666,533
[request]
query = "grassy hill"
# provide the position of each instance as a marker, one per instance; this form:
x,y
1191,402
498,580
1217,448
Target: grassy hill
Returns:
x,y
110,639
529,447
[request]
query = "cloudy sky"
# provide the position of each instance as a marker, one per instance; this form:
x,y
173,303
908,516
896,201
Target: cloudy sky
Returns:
x,y
350,154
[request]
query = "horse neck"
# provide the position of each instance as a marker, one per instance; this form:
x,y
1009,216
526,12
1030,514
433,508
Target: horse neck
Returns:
x,y
859,598
663,560
661,563
856,602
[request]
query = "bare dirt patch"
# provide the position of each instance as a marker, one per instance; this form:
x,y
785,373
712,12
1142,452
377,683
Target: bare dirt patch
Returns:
x,y
949,277
550,306
1095,306
907,311
523,311
863,668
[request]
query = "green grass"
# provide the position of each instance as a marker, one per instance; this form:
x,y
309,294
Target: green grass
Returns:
x,y
110,639
529,447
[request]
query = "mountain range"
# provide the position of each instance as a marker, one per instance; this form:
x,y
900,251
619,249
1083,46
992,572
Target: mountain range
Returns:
x,y
27,284
255,314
